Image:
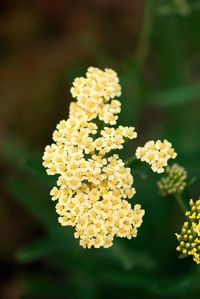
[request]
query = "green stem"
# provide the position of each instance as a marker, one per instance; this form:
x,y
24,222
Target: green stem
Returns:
x,y
192,181
130,160
180,201
146,29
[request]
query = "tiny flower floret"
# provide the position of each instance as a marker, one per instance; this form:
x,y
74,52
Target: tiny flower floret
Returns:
x,y
189,238
156,154
93,183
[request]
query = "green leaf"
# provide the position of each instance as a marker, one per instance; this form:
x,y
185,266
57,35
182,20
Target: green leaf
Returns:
x,y
169,58
44,286
127,279
21,156
34,199
34,168
183,256
38,249
175,96
192,181
130,258
174,287
62,239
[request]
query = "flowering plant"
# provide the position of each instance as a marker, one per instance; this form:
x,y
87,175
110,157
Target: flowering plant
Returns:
x,y
93,182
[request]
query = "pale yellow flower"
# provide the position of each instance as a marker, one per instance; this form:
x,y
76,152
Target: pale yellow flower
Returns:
x,y
156,154
93,183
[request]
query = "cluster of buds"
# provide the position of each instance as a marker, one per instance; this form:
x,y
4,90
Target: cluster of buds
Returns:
x,y
189,238
182,7
174,182
93,183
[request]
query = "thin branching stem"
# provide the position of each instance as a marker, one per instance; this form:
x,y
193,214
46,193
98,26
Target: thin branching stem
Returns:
x,y
145,34
178,198
130,160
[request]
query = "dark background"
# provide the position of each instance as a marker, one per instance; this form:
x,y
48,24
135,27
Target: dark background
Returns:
x,y
44,44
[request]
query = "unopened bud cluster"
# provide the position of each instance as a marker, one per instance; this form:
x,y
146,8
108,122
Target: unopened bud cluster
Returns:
x,y
174,181
189,238
182,7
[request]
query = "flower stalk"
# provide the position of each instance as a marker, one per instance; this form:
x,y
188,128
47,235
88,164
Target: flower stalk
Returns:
x,y
130,160
179,200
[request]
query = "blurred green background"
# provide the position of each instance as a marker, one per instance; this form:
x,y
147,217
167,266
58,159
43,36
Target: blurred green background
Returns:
x,y
154,46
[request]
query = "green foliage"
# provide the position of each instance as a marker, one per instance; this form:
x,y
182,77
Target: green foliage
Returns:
x,y
160,95
183,255
175,96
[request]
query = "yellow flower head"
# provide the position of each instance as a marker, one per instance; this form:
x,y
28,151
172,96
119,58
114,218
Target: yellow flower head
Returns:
x,y
156,154
93,93
189,238
93,183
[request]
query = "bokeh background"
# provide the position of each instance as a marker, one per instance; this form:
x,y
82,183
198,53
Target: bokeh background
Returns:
x,y
154,46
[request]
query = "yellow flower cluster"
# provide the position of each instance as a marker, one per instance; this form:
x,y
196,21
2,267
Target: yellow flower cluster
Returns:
x,y
174,181
189,237
93,94
156,154
93,183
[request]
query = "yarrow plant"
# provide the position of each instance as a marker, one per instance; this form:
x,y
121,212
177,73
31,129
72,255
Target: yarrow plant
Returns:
x,y
94,184
189,237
